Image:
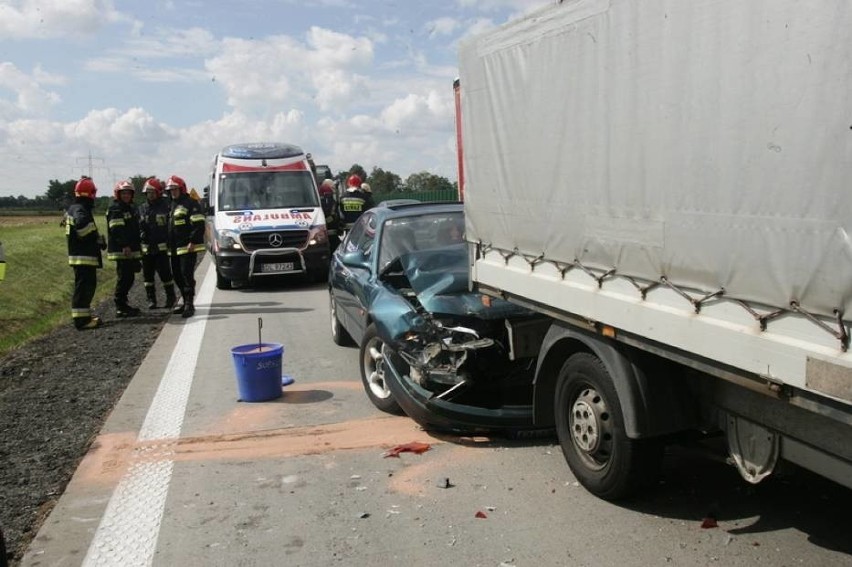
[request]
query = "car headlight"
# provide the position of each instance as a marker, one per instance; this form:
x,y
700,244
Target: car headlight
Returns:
x,y
228,240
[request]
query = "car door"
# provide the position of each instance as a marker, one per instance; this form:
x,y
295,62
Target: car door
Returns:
x,y
348,281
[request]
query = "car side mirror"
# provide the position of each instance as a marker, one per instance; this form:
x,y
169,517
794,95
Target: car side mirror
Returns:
x,y
355,259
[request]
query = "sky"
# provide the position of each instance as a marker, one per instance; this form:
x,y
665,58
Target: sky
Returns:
x,y
117,88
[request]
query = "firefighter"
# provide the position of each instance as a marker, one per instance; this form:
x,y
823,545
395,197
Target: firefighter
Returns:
x,y
185,239
154,225
354,202
84,253
124,245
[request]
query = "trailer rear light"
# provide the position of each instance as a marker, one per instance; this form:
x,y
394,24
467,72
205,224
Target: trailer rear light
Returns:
x,y
607,331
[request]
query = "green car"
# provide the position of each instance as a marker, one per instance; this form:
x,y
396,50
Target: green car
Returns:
x,y
429,347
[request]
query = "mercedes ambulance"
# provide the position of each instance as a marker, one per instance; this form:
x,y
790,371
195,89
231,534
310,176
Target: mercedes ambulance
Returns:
x,y
264,215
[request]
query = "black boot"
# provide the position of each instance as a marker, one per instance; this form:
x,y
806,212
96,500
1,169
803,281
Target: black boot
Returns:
x,y
170,296
151,292
126,310
188,307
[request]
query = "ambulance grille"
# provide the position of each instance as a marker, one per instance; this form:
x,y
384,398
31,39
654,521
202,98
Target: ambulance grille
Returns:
x,y
252,241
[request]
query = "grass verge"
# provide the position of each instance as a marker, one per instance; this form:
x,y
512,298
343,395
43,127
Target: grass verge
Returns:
x,y
35,297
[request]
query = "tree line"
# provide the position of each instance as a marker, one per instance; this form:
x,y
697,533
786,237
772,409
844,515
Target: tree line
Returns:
x,y
382,182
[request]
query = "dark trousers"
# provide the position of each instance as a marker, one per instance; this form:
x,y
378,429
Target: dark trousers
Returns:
x,y
85,282
125,273
183,269
156,264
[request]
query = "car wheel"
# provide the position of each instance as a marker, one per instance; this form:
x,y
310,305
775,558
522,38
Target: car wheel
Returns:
x,y
373,373
222,282
590,427
338,333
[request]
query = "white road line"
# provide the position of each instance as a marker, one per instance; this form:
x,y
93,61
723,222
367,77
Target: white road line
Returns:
x,y
127,534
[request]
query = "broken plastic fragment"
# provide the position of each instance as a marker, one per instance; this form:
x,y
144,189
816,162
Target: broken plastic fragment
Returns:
x,y
709,522
413,447
480,514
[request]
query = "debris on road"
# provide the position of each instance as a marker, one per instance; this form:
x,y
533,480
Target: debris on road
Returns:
x,y
413,447
480,514
444,482
709,522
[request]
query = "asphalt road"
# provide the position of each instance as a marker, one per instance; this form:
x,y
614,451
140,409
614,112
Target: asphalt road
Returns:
x,y
185,474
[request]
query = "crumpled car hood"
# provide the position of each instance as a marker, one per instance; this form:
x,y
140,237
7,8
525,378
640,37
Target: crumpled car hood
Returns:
x,y
439,277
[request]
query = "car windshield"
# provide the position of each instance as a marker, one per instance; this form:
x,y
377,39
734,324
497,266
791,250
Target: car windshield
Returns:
x,y
407,234
267,190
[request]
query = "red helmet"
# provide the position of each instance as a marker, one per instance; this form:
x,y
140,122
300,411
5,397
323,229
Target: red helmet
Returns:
x,y
353,181
85,188
152,184
175,181
124,185
327,187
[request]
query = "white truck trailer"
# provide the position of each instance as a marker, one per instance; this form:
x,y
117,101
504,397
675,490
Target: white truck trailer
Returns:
x,y
670,183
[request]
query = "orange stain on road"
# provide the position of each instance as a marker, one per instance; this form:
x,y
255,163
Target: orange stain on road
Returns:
x,y
377,432
111,455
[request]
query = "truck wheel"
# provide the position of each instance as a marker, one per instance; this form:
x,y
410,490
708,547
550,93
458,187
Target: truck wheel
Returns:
x,y
373,373
590,427
338,333
222,282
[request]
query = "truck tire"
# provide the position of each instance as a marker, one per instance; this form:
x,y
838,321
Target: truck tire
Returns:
x,y
590,427
338,333
373,373
222,282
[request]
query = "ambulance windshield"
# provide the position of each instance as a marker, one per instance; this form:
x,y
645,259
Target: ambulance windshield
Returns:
x,y
266,190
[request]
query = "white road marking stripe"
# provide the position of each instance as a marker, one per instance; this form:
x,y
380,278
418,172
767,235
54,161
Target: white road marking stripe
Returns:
x,y
127,534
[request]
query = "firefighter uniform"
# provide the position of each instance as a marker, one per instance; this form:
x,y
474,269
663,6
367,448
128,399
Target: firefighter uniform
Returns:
x,y
124,247
185,228
154,223
353,202
84,253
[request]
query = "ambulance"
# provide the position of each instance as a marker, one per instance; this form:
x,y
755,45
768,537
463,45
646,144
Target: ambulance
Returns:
x,y
264,216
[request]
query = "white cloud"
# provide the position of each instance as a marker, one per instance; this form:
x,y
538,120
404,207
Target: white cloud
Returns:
x,y
30,99
141,56
417,112
170,43
442,26
265,74
54,18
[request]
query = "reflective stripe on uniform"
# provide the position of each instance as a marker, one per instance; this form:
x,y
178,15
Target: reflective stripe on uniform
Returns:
x,y
79,312
135,255
87,230
83,260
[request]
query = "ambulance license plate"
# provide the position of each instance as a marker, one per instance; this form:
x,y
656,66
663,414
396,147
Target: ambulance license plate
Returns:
x,y
275,268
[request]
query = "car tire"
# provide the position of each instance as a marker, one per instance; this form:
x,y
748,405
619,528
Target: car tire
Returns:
x,y
373,373
338,333
590,427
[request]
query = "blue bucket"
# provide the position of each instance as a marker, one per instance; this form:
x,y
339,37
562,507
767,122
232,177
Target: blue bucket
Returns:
x,y
258,371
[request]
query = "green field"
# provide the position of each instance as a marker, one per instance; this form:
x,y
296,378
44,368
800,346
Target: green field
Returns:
x,y
35,297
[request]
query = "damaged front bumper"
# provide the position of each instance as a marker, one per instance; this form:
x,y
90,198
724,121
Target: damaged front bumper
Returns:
x,y
429,408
